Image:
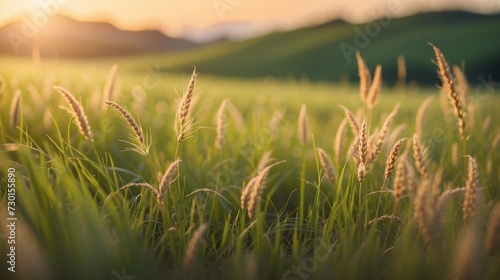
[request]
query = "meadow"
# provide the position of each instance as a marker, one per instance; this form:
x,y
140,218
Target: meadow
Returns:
x,y
134,173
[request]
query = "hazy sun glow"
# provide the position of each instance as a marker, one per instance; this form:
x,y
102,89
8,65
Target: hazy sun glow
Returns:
x,y
176,17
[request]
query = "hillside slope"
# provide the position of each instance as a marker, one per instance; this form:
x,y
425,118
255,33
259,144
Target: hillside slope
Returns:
x,y
316,52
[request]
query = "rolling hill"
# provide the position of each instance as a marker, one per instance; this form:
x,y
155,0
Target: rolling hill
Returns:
x,y
326,51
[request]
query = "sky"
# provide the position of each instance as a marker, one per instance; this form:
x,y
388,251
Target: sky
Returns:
x,y
191,18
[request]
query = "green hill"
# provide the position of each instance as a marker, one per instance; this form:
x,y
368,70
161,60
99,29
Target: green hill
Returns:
x,y
325,52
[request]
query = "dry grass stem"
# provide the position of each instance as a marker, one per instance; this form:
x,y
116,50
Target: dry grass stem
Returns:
x,y
327,165
451,92
77,112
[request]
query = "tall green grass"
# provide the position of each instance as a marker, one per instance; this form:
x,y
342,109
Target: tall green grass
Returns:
x,y
76,214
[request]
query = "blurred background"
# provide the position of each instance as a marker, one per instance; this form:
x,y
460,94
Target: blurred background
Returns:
x,y
313,40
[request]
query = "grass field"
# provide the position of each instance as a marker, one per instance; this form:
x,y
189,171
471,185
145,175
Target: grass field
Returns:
x,y
96,210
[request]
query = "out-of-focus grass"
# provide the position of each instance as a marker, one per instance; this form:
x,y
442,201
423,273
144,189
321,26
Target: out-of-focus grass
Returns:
x,y
86,227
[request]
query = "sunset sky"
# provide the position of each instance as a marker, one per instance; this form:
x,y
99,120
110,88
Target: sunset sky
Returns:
x,y
186,17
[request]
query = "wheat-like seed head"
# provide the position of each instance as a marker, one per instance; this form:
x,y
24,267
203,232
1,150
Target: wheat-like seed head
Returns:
x,y
352,121
77,112
219,140
462,84
363,145
381,136
391,160
142,185
184,106
250,195
129,119
364,77
339,140
192,248
109,87
448,85
15,110
256,191
245,193
418,154
422,109
361,172
327,165
400,179
386,217
167,179
303,126
264,160
470,200
375,88
493,231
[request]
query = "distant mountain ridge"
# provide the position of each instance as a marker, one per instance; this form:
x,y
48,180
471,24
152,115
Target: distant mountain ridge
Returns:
x,y
62,36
